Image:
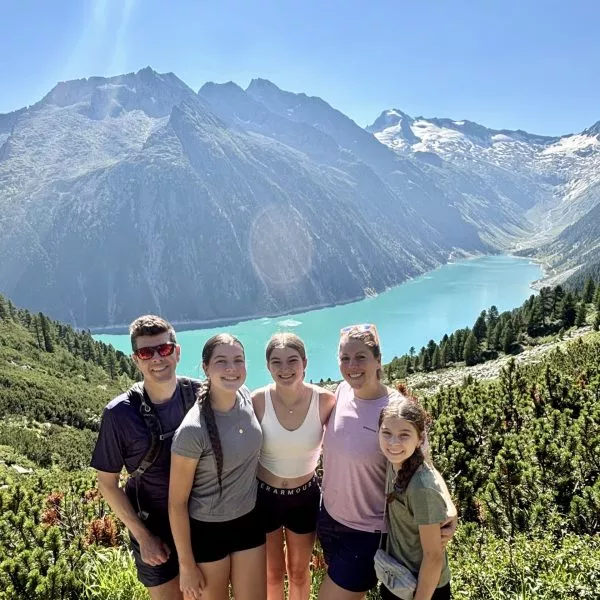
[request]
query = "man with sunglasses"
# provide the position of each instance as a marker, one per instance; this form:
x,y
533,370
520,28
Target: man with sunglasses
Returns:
x,y
127,439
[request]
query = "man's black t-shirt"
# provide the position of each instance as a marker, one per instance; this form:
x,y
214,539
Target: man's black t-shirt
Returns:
x,y
124,440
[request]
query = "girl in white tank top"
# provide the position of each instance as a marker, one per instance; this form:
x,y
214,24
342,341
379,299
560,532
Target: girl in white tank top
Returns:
x,y
292,415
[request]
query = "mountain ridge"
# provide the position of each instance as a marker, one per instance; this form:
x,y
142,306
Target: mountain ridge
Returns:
x,y
120,193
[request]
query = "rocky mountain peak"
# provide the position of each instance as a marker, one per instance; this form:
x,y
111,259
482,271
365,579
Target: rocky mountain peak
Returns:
x,y
149,91
594,130
400,121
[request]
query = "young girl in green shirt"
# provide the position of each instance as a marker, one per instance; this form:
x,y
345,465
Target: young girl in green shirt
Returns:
x,y
417,500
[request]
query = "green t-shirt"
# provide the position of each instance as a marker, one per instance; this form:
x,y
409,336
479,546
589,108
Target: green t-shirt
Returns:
x,y
425,501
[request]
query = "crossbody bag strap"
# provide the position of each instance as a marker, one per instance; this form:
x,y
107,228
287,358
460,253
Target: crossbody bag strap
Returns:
x,y
385,516
386,524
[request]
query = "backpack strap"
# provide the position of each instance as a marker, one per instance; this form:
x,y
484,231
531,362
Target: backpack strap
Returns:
x,y
189,388
138,399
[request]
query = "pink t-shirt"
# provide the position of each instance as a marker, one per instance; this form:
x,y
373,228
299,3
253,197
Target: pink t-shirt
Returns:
x,y
353,466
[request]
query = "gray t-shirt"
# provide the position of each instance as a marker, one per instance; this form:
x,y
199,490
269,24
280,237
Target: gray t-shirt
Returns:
x,y
241,440
426,501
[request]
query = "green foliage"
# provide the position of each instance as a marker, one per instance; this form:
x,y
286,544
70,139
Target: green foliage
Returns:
x,y
521,452
109,574
568,310
540,317
471,351
486,567
49,524
579,279
581,314
520,456
588,291
52,387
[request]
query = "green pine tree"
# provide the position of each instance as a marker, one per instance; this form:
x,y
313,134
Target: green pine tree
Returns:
x,y
4,314
508,337
480,329
444,354
424,360
568,310
471,351
588,291
581,314
46,332
436,359
535,320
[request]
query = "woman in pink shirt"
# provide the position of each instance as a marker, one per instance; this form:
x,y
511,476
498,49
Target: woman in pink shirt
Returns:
x,y
354,469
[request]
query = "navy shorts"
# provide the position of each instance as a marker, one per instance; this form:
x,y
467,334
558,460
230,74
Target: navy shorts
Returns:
x,y
349,553
148,575
296,509
215,540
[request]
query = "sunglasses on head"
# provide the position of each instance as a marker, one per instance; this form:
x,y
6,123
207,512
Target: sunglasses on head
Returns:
x,y
147,352
362,328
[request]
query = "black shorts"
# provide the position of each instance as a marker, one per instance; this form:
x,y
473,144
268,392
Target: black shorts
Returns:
x,y
213,541
150,576
349,553
296,509
441,593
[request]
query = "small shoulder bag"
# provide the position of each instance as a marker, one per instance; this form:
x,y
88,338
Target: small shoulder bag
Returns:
x,y
397,578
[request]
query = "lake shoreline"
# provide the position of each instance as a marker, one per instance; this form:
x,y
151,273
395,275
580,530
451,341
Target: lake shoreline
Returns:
x,y
425,307
229,321
232,321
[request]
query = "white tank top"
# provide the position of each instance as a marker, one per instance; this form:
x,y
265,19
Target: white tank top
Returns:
x,y
288,453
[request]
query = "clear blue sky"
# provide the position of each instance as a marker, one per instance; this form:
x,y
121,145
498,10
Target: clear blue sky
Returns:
x,y
530,64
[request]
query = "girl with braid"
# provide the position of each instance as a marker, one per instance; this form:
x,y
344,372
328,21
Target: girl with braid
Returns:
x,y
212,493
418,500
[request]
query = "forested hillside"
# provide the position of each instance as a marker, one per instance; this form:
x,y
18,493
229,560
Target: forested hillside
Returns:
x,y
54,382
541,317
520,455
589,271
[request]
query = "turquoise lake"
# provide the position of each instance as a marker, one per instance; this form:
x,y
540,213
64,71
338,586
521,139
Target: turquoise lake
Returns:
x,y
408,315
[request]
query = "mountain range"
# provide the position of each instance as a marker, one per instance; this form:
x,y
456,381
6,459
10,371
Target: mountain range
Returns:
x,y
137,194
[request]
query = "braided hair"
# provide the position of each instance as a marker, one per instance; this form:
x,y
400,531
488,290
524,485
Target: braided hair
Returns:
x,y
203,399
409,410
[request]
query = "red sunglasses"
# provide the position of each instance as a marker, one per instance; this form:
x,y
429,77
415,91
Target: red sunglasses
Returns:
x,y
147,352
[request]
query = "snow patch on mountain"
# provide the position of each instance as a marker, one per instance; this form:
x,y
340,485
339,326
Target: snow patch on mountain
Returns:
x,y
556,174
571,144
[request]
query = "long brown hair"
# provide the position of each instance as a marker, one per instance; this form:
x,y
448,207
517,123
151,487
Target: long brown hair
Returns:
x,y
409,410
203,399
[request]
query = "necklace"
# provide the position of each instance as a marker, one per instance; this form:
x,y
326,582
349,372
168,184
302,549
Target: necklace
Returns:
x,y
290,408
